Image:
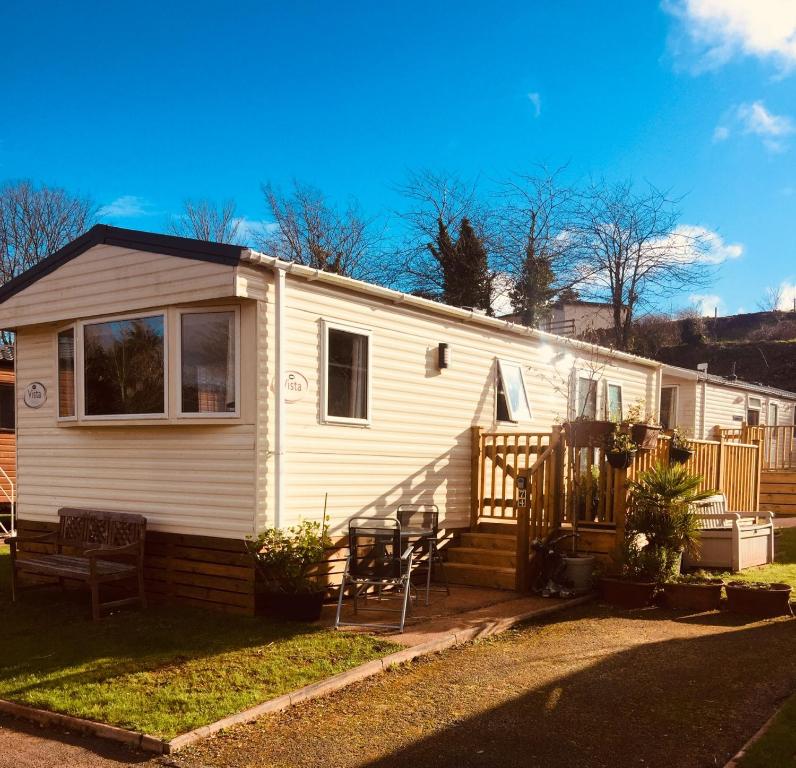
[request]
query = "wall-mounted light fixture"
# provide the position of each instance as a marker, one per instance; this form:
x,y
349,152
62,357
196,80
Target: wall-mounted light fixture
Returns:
x,y
444,355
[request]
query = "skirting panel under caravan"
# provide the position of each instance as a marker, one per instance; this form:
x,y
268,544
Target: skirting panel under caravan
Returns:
x,y
204,571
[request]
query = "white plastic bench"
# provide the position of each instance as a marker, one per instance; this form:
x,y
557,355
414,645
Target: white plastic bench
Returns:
x,y
732,540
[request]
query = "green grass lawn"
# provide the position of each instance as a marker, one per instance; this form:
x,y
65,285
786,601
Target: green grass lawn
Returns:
x,y
777,748
782,570
162,671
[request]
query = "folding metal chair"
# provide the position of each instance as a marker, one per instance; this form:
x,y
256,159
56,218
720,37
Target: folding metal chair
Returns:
x,y
421,522
378,556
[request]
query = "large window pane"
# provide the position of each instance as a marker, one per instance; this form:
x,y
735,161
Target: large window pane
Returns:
x,y
208,362
614,403
124,367
347,375
586,402
668,407
66,373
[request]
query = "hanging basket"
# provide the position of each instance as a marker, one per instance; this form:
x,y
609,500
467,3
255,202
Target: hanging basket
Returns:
x,y
621,459
645,436
679,455
588,434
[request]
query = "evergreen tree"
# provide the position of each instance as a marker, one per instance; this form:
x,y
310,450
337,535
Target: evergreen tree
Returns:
x,y
464,267
532,292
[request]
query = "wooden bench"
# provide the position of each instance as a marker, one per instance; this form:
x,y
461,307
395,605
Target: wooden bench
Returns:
x,y
91,546
731,540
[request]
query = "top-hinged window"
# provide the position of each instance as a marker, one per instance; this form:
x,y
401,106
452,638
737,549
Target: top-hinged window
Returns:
x,y
512,399
346,375
209,379
124,367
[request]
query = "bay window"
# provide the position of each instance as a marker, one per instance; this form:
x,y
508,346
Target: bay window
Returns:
x,y
124,367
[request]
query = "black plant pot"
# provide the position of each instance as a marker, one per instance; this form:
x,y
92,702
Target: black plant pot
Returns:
x,y
680,455
301,606
622,459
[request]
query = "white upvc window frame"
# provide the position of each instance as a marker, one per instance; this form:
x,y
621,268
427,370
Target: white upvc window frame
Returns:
x,y
758,407
178,394
775,405
80,362
326,418
583,373
75,368
607,399
500,379
676,404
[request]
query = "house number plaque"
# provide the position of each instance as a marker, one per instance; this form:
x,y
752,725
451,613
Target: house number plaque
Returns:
x,y
35,395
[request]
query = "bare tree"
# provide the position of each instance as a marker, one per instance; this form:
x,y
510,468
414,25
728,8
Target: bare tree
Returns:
x,y
203,220
36,221
772,299
309,230
437,203
536,241
633,254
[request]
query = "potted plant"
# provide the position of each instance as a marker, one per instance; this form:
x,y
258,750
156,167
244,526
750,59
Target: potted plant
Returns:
x,y
698,592
659,525
585,432
643,429
680,450
284,559
759,599
621,450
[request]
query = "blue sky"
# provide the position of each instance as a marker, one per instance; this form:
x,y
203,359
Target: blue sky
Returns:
x,y
144,104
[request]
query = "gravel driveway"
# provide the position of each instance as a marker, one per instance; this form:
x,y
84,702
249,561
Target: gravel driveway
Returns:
x,y
594,688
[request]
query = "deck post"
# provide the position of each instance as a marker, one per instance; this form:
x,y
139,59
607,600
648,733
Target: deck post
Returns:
x,y
720,462
475,475
523,499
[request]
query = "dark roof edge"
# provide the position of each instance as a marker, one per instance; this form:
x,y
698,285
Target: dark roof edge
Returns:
x,y
104,234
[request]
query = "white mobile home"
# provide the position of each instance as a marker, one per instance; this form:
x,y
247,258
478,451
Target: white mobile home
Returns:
x,y
217,391
704,404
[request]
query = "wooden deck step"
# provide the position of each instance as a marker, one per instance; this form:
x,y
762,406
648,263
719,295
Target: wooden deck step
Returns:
x,y
480,575
500,558
503,527
488,541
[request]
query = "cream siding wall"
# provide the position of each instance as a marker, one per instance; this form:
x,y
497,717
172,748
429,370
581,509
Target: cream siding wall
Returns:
x,y
108,279
417,447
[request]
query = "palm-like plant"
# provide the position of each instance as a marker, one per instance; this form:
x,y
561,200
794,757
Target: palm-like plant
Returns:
x,y
660,510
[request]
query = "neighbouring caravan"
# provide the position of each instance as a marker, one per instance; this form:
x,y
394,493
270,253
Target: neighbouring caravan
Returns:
x,y
703,404
217,390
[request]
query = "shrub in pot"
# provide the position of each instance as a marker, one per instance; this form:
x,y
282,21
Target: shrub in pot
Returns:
x,y
621,450
659,525
680,450
698,592
284,559
644,429
759,599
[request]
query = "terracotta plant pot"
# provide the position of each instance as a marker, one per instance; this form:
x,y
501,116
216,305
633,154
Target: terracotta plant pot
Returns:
x,y
302,606
694,596
645,436
679,455
588,434
622,459
761,600
627,594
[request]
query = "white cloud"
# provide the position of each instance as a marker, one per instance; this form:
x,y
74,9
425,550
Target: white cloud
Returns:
x,y
754,119
125,207
536,100
706,303
721,133
711,32
692,242
787,295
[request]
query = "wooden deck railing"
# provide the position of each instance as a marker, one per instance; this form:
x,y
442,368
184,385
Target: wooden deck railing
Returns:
x,y
779,444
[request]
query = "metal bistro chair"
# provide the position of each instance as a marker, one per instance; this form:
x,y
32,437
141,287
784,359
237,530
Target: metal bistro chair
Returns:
x,y
378,556
421,522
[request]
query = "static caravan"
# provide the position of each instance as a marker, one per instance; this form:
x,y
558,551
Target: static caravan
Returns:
x,y
704,404
217,391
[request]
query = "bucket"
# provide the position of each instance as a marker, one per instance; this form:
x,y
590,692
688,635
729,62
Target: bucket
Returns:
x,y
578,572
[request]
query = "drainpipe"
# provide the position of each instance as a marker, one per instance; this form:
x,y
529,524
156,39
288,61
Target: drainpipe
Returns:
x,y
279,447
